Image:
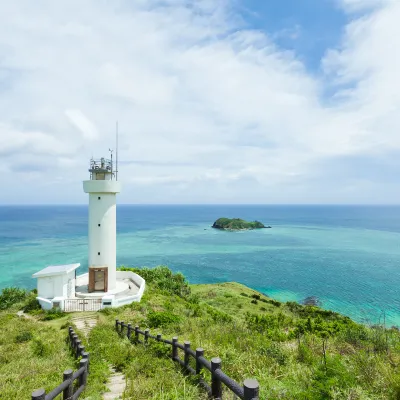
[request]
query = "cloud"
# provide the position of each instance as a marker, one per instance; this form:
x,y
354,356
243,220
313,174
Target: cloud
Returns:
x,y
206,107
80,121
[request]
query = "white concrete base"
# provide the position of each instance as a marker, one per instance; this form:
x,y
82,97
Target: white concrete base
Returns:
x,y
81,291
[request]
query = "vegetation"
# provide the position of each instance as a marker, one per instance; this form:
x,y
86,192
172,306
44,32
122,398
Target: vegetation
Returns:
x,y
294,351
33,349
237,224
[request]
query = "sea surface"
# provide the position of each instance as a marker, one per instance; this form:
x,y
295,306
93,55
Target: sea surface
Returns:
x,y
347,256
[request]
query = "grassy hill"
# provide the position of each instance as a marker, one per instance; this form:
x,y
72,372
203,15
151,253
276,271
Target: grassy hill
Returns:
x,y
294,351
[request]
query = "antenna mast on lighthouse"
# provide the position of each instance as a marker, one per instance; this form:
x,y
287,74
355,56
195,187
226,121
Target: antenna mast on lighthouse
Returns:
x,y
116,153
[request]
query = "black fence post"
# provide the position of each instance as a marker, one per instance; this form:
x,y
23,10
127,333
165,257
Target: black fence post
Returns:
x,y
187,355
74,340
251,389
85,356
69,391
159,337
122,327
216,386
199,353
146,336
81,350
174,348
83,377
39,394
137,333
116,324
128,334
78,344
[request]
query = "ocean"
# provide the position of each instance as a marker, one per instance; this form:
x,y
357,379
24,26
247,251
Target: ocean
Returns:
x,y
347,256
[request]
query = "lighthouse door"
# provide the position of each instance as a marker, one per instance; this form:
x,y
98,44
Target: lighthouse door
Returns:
x,y
99,281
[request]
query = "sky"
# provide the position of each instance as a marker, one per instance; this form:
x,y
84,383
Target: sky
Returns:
x,y
229,101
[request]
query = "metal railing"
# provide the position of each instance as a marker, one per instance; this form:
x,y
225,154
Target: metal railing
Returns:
x,y
67,388
249,390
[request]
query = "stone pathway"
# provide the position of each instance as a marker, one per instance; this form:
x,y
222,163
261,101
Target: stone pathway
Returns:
x,y
116,382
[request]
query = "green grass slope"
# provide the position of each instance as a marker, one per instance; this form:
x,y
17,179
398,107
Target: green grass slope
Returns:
x,y
294,351
33,349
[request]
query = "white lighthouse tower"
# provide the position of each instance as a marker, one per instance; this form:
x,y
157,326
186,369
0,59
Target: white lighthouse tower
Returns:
x,y
102,187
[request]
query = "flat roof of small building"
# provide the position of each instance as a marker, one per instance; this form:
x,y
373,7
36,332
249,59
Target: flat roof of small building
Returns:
x,y
52,270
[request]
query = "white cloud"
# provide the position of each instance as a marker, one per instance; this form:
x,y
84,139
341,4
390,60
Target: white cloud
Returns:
x,y
80,121
204,105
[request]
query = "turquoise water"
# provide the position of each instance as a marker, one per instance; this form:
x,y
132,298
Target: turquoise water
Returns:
x,y
349,256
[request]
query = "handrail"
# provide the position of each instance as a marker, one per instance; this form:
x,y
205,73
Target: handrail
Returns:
x,y
249,390
67,386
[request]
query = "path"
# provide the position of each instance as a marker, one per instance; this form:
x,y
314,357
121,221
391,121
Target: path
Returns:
x,y
116,382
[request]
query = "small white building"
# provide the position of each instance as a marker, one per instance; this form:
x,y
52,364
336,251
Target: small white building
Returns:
x,y
102,286
55,284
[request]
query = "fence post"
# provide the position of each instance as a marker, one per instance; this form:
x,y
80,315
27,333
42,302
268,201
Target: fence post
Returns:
x,y
116,324
216,387
174,348
122,327
128,334
39,394
74,340
251,389
186,345
83,377
199,353
137,333
146,336
158,337
81,349
78,344
85,356
69,391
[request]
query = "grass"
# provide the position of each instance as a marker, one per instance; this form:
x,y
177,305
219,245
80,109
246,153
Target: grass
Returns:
x,y
34,352
294,351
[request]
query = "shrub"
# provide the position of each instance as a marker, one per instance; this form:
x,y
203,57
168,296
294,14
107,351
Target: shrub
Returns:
x,y
39,348
23,337
274,351
11,296
254,301
218,316
31,304
256,296
244,294
54,313
164,279
156,319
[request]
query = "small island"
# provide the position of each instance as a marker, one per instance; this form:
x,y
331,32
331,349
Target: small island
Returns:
x,y
237,224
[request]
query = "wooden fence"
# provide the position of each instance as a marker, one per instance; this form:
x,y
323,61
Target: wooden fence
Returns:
x,y
67,388
249,390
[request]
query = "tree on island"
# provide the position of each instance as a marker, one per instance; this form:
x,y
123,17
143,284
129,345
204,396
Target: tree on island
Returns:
x,y
237,224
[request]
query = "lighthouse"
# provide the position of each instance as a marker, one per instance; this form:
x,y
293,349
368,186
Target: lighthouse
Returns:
x,y
102,188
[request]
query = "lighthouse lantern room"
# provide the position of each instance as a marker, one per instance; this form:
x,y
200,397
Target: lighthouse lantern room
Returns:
x,y
102,188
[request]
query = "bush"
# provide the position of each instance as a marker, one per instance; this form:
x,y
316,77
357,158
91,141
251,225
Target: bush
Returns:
x,y
23,337
254,301
11,296
54,313
39,348
256,296
164,279
218,316
31,304
156,319
274,351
